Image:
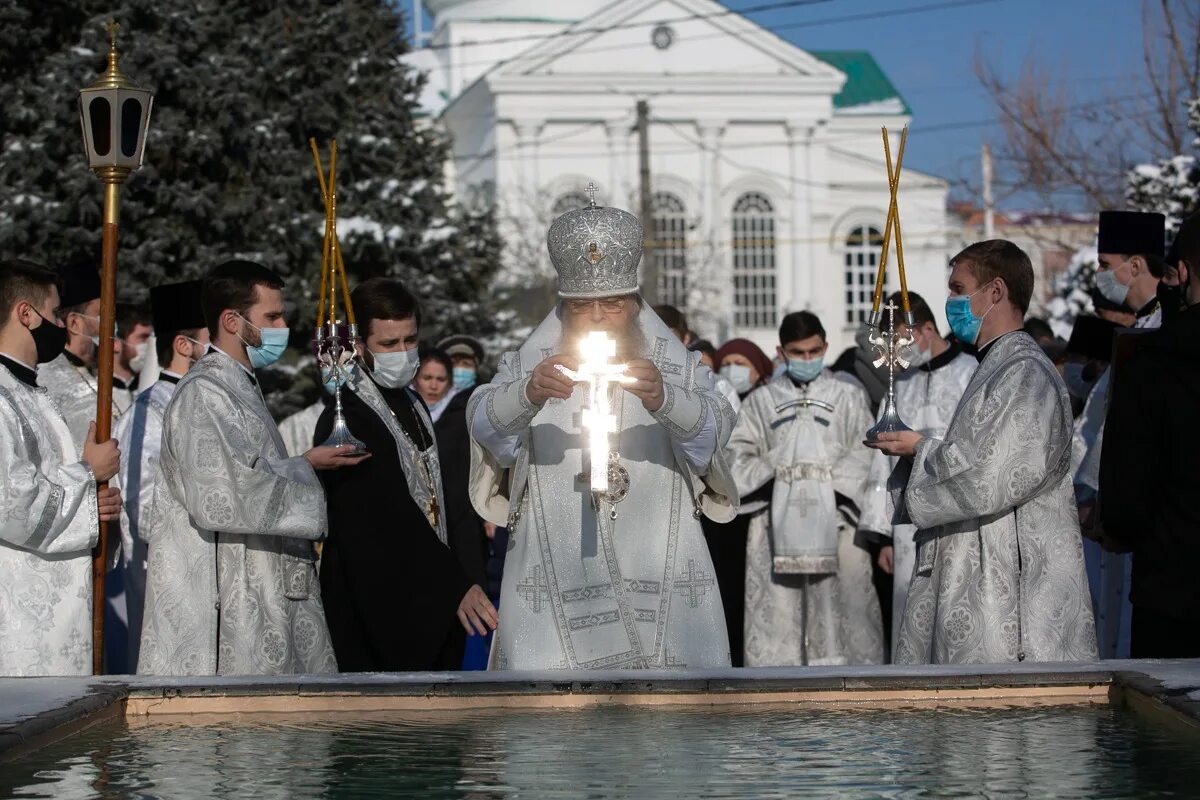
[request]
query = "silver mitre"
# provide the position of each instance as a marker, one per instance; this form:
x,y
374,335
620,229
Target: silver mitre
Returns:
x,y
596,251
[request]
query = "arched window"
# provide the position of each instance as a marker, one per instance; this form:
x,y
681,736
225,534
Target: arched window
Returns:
x,y
754,302
569,202
668,248
864,245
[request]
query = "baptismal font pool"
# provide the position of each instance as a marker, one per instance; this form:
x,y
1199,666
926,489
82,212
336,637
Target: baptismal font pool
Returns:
x,y
1075,732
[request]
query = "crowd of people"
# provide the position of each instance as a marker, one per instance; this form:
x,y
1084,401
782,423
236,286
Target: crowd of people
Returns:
x,y
1038,509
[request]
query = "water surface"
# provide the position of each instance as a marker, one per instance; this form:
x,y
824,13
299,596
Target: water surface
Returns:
x,y
1060,752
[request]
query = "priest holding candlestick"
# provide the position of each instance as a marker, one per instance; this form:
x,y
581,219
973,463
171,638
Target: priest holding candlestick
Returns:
x,y
599,444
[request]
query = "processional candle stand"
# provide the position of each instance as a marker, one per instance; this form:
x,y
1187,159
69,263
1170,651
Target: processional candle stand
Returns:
x,y
888,342
115,116
334,343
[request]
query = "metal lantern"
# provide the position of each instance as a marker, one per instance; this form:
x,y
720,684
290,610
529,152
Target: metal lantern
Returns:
x,y
115,116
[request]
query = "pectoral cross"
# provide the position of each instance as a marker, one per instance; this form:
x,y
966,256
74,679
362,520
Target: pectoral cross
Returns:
x,y
595,369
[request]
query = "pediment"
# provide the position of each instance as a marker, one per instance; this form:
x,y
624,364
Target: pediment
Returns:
x,y
705,40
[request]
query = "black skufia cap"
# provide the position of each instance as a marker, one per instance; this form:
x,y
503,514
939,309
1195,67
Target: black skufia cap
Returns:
x,y
1092,338
1132,233
176,307
79,283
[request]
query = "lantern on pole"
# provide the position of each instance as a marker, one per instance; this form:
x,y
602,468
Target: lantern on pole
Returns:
x,y
115,116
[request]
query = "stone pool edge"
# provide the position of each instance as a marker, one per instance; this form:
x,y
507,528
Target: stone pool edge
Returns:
x,y
37,710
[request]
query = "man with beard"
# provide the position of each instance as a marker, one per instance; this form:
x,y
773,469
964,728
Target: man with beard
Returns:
x,y
618,578
395,596
231,582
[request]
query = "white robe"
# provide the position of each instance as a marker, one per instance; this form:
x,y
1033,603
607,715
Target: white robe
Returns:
x,y
829,612
999,573
580,590
139,435
297,430
48,526
926,399
232,585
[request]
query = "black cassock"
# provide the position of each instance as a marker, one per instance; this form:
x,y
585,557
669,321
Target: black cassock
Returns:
x,y
390,588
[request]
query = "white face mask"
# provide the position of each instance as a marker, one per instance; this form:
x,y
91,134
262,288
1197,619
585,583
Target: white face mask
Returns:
x,y
738,375
916,357
397,369
139,360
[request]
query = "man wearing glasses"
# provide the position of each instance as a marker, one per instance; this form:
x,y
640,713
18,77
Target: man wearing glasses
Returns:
x,y
619,578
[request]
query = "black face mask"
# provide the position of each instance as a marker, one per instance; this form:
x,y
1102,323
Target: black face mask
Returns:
x,y
49,339
1170,300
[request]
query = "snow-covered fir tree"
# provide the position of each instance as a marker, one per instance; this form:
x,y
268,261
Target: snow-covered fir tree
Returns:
x,y
1071,292
240,86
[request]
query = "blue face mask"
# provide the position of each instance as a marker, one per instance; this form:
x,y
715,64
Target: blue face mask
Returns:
x,y
962,319
805,371
274,342
464,377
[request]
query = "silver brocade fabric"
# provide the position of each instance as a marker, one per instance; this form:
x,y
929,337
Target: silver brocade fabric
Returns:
x,y
999,574
420,491
830,617
926,400
298,429
595,251
139,435
48,525
231,586
582,591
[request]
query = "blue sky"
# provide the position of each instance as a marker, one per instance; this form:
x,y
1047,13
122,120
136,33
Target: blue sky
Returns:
x,y
1095,46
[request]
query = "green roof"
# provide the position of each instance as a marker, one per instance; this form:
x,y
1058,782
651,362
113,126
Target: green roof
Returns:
x,y
866,83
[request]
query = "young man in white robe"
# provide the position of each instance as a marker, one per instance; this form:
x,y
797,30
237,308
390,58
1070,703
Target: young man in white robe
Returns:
x,y
927,394
809,596
50,508
999,564
231,585
181,339
608,579
70,378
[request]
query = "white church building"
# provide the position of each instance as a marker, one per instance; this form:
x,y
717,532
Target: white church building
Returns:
x,y
767,175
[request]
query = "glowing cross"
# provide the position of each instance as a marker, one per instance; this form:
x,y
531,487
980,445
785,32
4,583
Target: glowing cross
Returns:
x,y
595,370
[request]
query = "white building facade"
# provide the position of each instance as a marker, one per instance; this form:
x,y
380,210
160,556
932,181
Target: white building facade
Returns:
x,y
766,162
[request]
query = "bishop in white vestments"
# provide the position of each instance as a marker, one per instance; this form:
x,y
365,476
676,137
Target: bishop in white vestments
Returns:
x,y
49,508
231,583
999,564
618,577
809,596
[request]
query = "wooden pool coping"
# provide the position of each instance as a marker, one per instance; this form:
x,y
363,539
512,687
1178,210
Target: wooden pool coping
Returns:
x,y
34,711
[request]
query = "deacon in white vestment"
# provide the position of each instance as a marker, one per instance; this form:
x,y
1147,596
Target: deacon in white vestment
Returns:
x,y
49,509
297,429
616,579
231,584
69,378
926,395
180,334
999,574
809,596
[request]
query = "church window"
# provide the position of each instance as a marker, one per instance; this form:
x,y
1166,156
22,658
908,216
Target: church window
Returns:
x,y
754,301
668,248
864,246
569,202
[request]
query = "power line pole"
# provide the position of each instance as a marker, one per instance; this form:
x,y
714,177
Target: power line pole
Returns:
x,y
650,262
989,204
